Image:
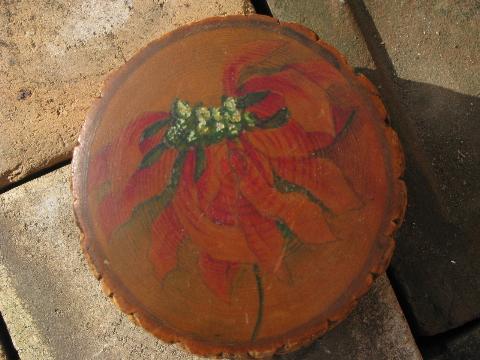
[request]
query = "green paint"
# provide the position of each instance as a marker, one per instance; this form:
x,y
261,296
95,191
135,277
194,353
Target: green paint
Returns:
x,y
251,99
177,169
347,125
200,126
278,119
258,280
154,128
200,162
292,242
285,186
153,206
340,135
153,155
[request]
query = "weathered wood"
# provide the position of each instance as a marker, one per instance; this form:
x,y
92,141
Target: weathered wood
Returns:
x,y
237,187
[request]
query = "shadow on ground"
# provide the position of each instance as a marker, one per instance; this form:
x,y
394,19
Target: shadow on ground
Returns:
x,y
6,345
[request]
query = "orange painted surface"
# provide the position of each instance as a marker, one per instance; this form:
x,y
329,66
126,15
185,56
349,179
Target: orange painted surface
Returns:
x,y
237,185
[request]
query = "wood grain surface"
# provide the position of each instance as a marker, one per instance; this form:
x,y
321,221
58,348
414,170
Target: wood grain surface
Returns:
x,y
238,187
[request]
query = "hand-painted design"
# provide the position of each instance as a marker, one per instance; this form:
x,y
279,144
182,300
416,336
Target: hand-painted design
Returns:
x,y
246,182
201,126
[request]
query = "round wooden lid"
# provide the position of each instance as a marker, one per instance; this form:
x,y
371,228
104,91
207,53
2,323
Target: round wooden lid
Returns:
x,y
237,186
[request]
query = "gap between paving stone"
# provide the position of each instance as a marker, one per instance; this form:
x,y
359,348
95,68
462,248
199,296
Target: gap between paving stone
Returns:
x,y
35,175
261,7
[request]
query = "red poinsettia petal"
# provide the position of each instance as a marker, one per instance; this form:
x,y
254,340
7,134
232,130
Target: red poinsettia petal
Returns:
x,y
320,72
210,183
342,115
222,210
222,242
150,181
253,53
263,237
306,101
125,150
145,183
322,178
260,161
301,215
268,106
217,275
130,148
167,234
341,94
290,140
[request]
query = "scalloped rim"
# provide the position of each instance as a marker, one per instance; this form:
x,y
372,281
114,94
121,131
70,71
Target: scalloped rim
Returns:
x,y
281,344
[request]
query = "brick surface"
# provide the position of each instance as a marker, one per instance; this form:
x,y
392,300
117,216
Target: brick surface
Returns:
x,y
54,61
331,20
55,309
434,49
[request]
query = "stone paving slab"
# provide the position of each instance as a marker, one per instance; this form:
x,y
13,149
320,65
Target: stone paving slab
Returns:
x,y
3,353
54,61
463,345
332,21
55,309
5,343
435,51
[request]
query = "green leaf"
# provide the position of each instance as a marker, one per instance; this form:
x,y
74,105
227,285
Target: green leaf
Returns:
x,y
150,208
153,155
200,162
348,123
275,121
251,98
154,128
339,136
177,169
285,186
166,195
261,301
292,242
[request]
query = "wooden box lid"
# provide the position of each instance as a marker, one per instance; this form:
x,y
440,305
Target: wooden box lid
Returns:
x,y
237,186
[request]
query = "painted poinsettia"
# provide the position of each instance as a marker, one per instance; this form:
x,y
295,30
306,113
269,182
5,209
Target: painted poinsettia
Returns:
x,y
241,180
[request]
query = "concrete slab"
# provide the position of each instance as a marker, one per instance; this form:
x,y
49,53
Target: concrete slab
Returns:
x,y
331,20
55,309
54,61
435,52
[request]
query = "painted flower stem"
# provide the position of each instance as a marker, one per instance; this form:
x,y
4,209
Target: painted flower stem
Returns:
x,y
258,323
